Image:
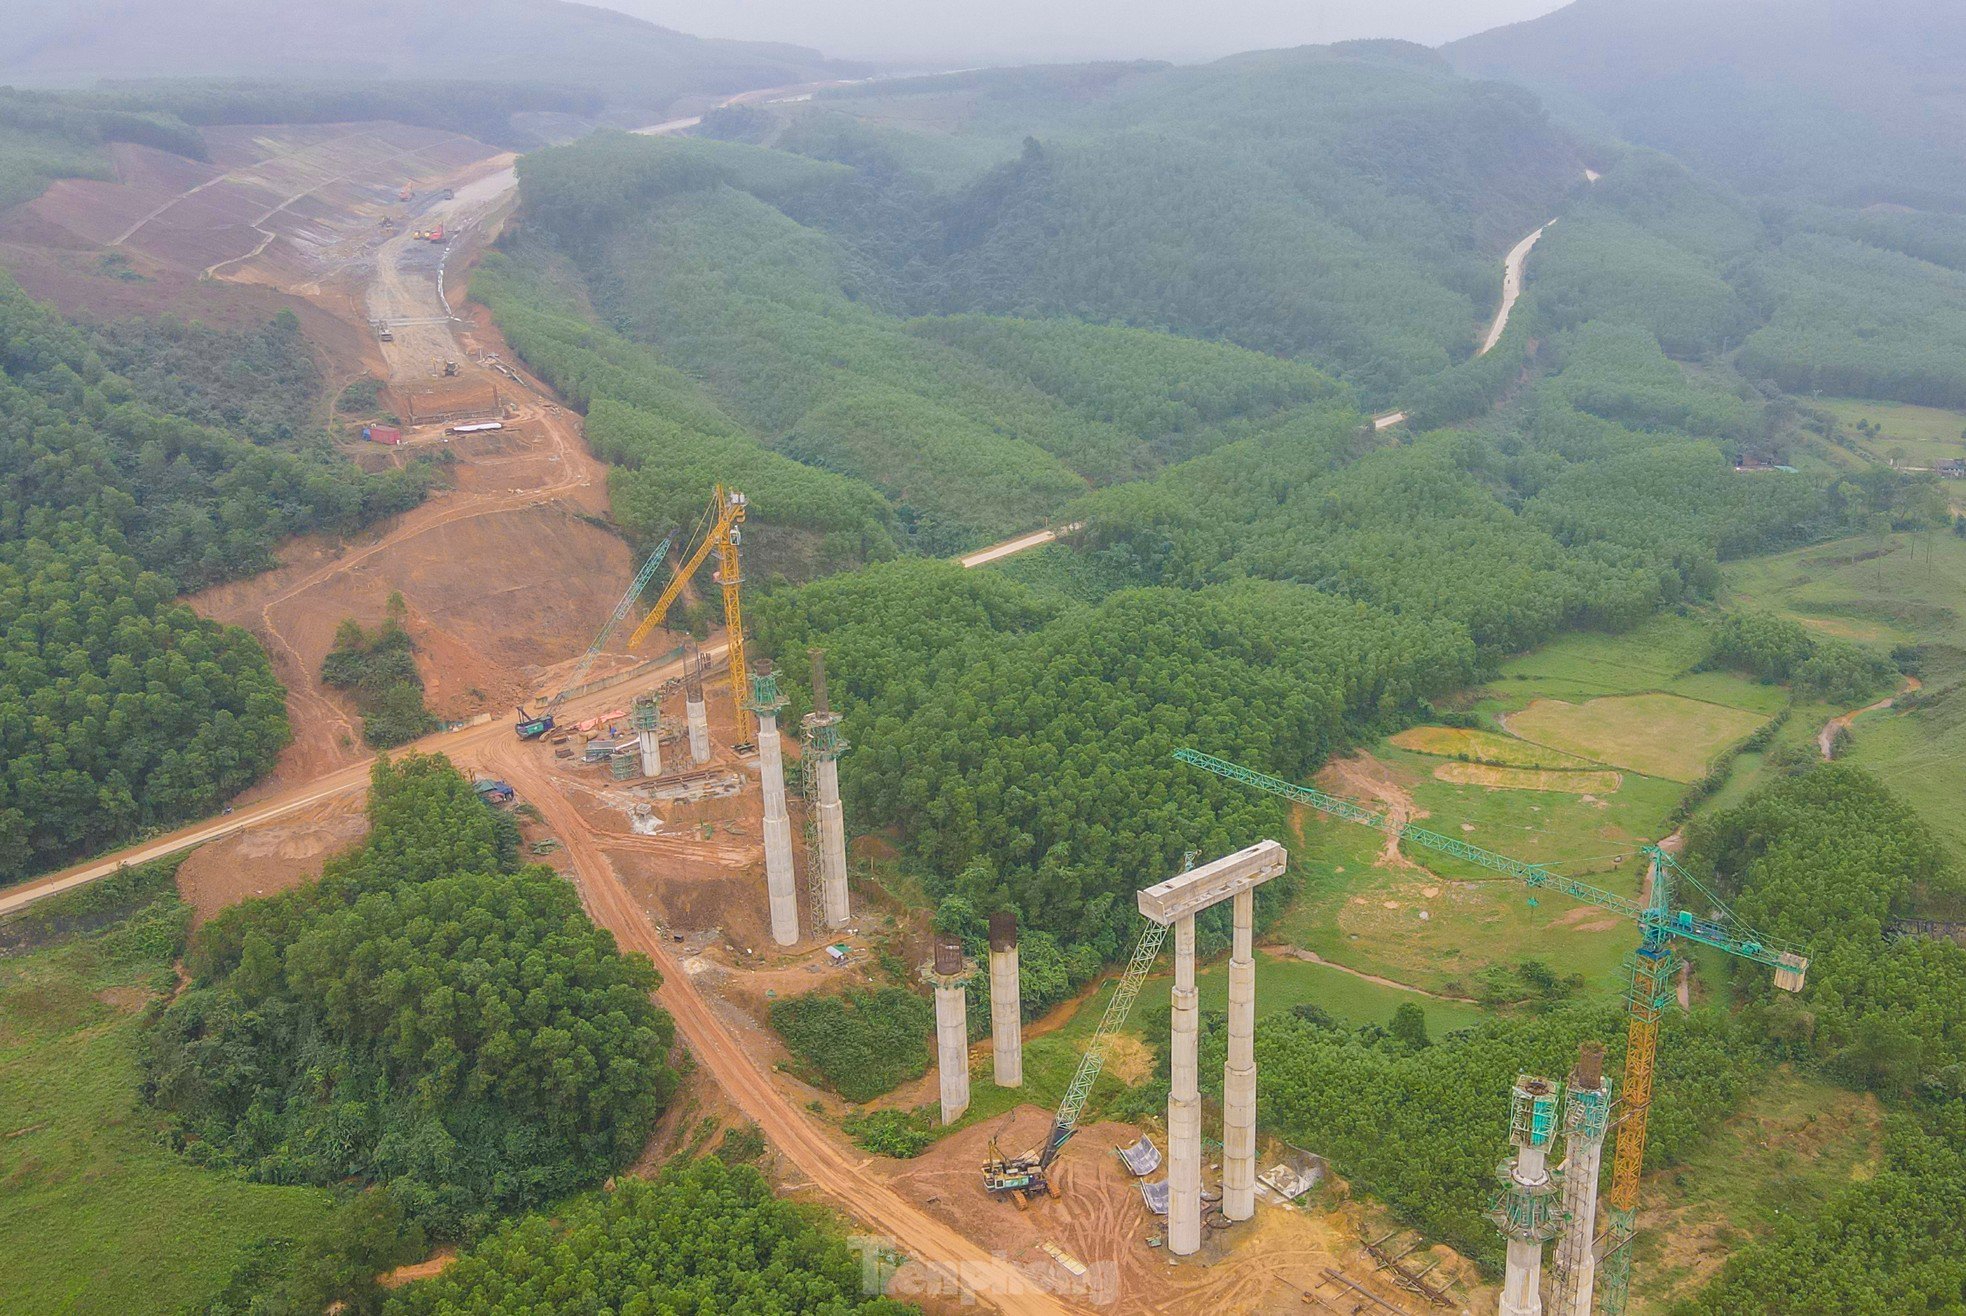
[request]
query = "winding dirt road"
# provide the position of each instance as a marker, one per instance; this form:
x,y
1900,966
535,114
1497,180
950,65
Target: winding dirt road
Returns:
x,y
1826,738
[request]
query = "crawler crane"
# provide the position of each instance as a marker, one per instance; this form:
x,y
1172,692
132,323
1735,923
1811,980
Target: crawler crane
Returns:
x,y
1648,997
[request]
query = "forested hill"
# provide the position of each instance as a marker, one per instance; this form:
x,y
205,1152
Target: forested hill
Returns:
x,y
1345,205
537,42
1852,101
120,708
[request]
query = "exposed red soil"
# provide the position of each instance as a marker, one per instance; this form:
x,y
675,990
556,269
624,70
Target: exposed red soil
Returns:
x,y
278,857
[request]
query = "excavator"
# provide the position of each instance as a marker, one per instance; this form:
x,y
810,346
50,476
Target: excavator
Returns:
x,y
1021,1178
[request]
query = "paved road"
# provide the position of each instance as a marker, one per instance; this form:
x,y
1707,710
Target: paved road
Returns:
x,y
995,552
1511,287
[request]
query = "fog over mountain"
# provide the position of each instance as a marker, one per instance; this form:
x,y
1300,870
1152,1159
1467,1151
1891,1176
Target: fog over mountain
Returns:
x,y
1002,31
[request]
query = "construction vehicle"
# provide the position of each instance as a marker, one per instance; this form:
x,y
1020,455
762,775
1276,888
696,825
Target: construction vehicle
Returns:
x,y
530,727
720,530
1023,1177
450,370
434,235
404,195
1650,966
621,609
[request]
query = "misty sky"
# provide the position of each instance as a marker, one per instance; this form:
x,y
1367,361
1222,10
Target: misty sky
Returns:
x,y
979,31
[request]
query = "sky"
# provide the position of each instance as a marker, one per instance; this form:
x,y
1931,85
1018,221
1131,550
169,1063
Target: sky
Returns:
x,y
966,32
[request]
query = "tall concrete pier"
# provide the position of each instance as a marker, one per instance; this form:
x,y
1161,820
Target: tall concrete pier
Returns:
x,y
1006,1005
1239,1071
949,975
1184,1102
780,883
1526,1209
823,747
647,718
694,709
1174,904
1586,1114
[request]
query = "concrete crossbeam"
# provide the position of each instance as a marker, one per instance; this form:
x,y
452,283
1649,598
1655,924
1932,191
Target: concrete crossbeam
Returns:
x,y
1199,888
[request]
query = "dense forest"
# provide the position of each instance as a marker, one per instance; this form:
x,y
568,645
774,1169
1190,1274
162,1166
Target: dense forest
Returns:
x,y
700,1237
119,709
430,1017
1834,856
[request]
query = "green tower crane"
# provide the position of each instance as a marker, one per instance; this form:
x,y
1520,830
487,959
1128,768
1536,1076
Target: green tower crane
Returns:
x,y
1648,995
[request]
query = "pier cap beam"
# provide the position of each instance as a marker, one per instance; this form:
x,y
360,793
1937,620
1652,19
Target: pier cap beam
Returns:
x,y
1199,888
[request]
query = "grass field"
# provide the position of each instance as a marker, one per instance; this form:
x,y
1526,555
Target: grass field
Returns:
x,y
1909,435
1284,983
1627,701
1529,779
1660,735
1478,746
98,1215
1899,590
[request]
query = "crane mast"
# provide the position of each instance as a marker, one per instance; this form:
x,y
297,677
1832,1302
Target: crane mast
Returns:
x,y
1648,996
727,512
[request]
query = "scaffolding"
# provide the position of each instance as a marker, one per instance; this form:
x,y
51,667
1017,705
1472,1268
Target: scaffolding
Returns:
x,y
820,742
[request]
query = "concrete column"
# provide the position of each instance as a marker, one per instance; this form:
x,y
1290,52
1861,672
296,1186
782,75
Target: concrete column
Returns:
x,y
699,728
1522,1283
951,1029
650,743
1184,1103
1585,1117
780,885
1006,1006
832,845
1239,1072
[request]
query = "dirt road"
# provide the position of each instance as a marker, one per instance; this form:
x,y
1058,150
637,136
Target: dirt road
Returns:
x,y
967,1270
1826,738
351,777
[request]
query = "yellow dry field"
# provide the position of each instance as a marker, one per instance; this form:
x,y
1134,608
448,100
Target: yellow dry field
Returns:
x,y
1483,747
1529,779
1657,734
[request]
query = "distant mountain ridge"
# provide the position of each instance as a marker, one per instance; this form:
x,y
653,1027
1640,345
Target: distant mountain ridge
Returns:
x,y
631,63
1854,101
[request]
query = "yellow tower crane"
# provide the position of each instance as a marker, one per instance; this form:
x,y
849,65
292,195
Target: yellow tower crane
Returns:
x,y
726,513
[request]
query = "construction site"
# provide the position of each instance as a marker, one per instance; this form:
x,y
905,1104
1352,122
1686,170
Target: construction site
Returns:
x,y
700,814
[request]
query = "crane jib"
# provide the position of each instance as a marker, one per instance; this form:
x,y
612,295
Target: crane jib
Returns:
x,y
1661,922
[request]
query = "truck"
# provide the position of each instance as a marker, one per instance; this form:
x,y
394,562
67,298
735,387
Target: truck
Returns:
x,y
435,235
530,727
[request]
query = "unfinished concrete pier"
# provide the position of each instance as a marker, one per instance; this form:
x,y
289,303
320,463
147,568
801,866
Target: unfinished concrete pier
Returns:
x,y
948,973
823,746
647,718
780,883
695,711
1527,1208
1586,1115
1006,1005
